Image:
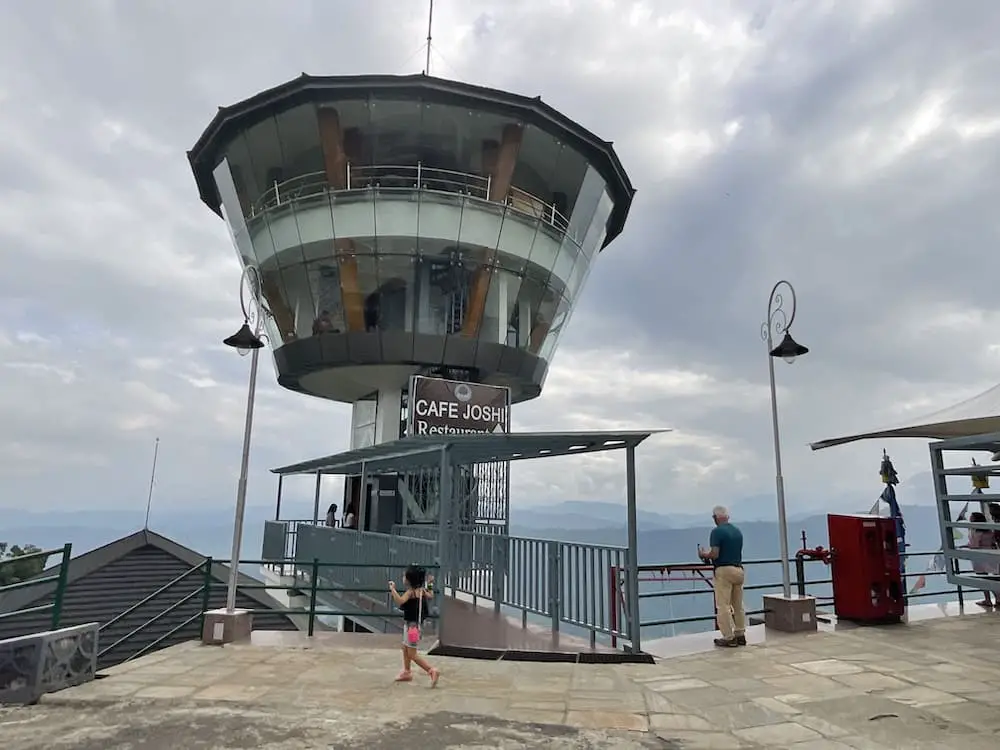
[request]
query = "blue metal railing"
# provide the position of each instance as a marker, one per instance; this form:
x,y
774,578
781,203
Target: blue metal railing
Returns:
x,y
576,587
565,584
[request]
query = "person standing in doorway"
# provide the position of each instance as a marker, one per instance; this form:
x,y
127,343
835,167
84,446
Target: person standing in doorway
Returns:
x,y
725,552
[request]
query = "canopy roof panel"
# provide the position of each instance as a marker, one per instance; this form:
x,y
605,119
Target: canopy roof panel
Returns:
x,y
975,416
424,451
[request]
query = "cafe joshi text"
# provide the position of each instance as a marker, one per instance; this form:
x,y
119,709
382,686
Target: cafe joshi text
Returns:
x,y
468,412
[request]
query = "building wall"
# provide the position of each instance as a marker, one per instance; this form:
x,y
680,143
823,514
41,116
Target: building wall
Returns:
x,y
112,589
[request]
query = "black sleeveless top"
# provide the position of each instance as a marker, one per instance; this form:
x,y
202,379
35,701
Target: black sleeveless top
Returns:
x,y
412,608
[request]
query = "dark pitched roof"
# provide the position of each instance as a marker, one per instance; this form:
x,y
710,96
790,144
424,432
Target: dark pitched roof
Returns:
x,y
145,592
229,120
95,559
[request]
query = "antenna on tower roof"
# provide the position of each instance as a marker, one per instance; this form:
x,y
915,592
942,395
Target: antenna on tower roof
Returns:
x,y
430,24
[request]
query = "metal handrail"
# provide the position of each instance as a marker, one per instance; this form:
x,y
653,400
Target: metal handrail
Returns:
x,y
162,638
150,621
204,591
61,578
407,177
152,596
823,601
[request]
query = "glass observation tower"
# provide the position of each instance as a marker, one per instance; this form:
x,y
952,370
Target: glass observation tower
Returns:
x,y
411,226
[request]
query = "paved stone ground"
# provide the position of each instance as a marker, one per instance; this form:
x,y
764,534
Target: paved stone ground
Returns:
x,y
935,684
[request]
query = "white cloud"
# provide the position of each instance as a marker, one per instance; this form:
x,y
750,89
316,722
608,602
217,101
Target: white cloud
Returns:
x,y
847,146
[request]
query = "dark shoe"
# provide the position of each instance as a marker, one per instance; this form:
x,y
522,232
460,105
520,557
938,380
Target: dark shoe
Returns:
x,y
741,640
726,642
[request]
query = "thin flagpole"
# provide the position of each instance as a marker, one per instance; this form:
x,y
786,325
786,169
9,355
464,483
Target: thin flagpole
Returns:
x,y
430,24
152,479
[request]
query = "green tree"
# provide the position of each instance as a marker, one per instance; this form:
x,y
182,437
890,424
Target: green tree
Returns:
x,y
13,569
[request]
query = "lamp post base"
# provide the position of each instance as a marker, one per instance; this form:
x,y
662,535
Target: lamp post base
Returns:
x,y
790,614
222,626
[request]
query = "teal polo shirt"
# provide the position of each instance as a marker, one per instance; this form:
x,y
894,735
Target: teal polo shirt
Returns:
x,y
729,540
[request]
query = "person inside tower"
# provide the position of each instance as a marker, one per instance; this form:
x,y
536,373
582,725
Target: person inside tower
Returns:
x,y
331,516
323,324
351,519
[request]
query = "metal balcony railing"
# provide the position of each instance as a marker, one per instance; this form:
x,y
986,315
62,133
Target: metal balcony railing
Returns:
x,y
576,587
390,178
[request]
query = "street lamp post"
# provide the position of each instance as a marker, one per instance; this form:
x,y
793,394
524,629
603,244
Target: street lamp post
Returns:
x,y
779,323
247,339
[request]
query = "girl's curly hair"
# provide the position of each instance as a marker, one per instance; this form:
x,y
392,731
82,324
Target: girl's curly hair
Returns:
x,y
415,577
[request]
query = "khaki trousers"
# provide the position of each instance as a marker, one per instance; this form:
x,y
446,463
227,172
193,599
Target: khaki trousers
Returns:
x,y
729,601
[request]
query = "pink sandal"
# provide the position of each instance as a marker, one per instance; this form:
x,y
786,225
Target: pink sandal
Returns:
x,y
404,676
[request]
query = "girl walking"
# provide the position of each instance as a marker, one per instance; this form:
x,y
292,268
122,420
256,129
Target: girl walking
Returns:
x,y
411,602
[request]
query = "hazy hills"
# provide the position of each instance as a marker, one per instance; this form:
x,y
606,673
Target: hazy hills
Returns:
x,y
663,538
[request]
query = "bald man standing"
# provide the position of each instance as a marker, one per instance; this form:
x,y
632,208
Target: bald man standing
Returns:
x,y
725,552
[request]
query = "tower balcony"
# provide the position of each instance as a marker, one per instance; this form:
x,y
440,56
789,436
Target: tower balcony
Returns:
x,y
424,269
407,225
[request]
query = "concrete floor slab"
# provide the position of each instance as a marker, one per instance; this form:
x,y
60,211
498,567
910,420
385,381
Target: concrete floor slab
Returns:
x,y
930,685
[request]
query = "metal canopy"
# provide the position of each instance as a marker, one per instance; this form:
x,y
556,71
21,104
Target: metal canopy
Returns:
x,y
424,451
975,416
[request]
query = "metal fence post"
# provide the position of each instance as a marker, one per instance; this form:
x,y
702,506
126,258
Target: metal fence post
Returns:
x,y
555,583
634,619
314,580
206,589
613,604
961,596
800,575
57,601
497,571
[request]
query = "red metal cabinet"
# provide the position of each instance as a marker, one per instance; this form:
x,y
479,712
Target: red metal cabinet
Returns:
x,y
867,586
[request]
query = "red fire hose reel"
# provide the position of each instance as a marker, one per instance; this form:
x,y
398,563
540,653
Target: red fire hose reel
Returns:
x,y
816,553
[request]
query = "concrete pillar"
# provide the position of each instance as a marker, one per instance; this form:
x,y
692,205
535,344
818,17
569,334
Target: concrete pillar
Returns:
x,y
332,141
523,321
223,627
506,160
270,287
499,162
336,156
477,297
490,152
387,416
538,333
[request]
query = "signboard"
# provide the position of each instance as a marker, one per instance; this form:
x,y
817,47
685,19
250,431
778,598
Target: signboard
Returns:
x,y
450,407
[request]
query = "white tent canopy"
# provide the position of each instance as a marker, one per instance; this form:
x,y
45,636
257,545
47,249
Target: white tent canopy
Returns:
x,y
975,416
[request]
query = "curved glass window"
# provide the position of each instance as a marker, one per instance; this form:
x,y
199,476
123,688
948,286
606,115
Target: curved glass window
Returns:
x,y
405,216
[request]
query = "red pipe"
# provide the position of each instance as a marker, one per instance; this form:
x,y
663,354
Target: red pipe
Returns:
x,y
816,553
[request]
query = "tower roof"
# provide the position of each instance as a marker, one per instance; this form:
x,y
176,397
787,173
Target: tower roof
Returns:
x,y
228,121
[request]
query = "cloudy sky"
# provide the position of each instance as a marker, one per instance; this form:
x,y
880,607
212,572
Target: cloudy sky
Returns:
x,y
851,147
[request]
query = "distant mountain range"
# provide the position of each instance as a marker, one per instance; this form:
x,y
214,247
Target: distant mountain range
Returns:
x,y
663,538
674,538
579,515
